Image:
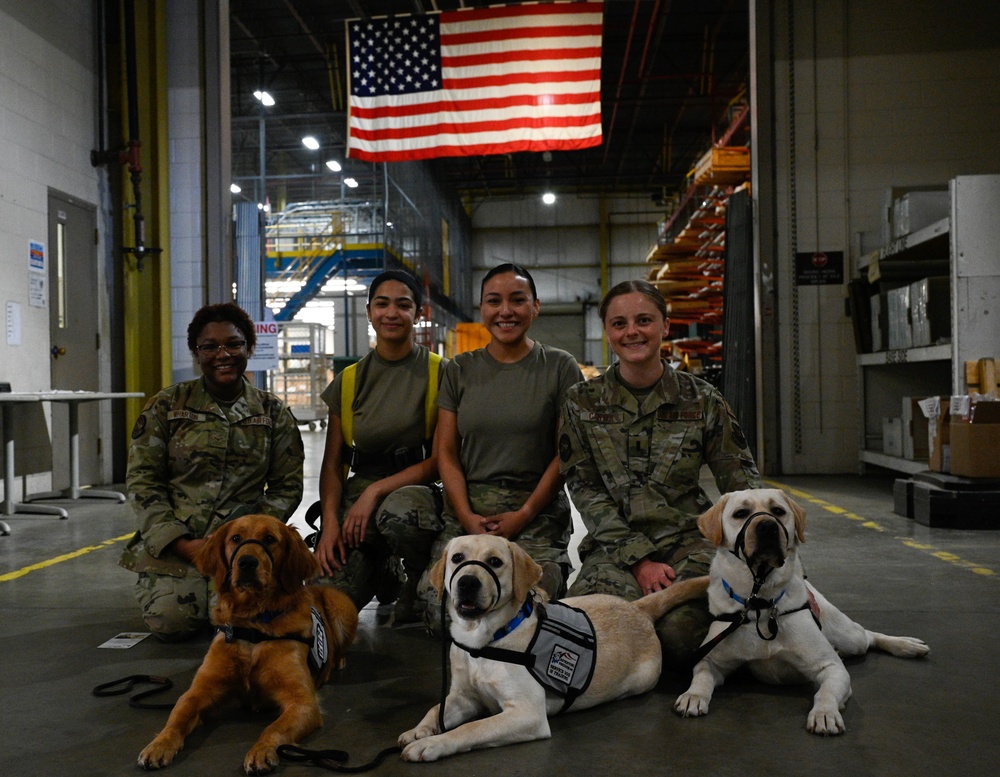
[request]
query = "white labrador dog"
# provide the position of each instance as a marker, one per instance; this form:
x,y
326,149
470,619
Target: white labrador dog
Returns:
x,y
784,629
492,702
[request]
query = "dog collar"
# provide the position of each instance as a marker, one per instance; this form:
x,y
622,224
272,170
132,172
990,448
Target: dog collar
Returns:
x,y
526,609
269,615
754,602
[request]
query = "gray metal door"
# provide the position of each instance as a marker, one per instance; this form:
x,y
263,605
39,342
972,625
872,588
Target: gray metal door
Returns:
x,y
73,327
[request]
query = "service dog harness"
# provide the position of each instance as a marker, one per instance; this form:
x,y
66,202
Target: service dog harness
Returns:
x,y
319,646
754,603
562,654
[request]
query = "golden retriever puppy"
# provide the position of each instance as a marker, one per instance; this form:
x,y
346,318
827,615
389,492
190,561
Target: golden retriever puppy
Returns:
x,y
778,624
495,611
278,640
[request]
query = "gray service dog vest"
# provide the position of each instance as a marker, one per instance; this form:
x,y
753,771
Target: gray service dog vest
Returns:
x,y
564,651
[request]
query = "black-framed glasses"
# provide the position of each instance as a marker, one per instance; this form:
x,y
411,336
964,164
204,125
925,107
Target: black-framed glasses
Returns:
x,y
233,348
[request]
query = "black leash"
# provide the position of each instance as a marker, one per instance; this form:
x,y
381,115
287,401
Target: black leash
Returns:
x,y
125,684
332,760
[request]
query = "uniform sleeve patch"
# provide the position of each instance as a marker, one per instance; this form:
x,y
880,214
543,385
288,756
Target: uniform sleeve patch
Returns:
x,y
258,420
139,428
565,448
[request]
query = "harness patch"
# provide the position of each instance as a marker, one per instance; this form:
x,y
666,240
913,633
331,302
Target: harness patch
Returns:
x,y
319,652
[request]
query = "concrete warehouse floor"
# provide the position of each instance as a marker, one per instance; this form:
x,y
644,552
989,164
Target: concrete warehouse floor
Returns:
x,y
62,595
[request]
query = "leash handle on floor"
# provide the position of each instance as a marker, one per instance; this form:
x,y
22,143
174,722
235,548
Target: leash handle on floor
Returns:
x,y
332,760
126,684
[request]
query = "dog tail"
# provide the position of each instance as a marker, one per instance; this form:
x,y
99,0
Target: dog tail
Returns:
x,y
658,603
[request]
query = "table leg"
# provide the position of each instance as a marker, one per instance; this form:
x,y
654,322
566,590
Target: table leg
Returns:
x,y
9,506
74,491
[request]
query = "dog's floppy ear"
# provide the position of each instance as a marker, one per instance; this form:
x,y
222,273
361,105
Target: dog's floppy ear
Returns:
x,y
436,576
211,560
525,573
299,563
710,521
799,514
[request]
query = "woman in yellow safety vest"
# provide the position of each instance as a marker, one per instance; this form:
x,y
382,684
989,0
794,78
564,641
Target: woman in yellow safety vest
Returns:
x,y
378,441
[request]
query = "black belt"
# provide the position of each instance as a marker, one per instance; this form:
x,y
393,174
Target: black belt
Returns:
x,y
520,485
386,463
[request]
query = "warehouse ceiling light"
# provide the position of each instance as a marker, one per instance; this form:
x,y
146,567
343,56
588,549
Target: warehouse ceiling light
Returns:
x,y
334,165
310,142
351,182
548,198
264,98
235,188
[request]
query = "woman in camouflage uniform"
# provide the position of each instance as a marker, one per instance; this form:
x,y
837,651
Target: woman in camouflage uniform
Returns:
x,y
203,451
632,443
498,412
387,512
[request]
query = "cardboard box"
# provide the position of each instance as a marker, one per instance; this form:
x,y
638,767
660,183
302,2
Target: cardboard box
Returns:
x,y
975,442
930,310
937,411
892,436
915,439
900,334
879,322
916,210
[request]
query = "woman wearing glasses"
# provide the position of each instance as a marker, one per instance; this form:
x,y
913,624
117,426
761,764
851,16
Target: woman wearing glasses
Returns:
x,y
203,451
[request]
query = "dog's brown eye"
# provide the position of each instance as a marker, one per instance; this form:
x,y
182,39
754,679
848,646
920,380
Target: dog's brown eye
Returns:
x,y
270,539
236,538
741,513
458,558
495,562
778,511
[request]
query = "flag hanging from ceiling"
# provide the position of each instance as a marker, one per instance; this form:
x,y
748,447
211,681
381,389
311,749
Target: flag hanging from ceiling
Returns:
x,y
524,77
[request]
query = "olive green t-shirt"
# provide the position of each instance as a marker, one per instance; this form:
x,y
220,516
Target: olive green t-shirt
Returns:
x,y
388,402
507,413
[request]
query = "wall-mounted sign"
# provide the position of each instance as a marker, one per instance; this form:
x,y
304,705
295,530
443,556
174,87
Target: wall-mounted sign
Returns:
x,y
821,268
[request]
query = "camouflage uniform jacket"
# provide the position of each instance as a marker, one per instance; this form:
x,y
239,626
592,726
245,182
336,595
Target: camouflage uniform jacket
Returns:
x,y
191,463
633,466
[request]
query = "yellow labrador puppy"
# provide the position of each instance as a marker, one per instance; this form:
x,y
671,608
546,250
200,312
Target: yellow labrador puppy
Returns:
x,y
495,698
769,617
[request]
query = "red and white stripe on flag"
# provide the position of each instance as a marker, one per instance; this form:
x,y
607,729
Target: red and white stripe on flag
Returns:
x,y
523,77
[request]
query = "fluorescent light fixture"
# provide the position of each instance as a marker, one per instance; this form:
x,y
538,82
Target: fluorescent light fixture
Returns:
x,y
235,188
334,165
548,198
351,182
310,142
264,97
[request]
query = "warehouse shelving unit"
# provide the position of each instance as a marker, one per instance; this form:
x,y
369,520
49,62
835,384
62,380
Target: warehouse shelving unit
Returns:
x,y
967,245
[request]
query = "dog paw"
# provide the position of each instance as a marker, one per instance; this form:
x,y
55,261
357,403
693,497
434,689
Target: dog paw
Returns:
x,y
420,732
691,705
428,749
157,754
825,722
906,647
260,760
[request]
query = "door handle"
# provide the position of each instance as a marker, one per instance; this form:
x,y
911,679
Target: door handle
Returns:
x,y
56,351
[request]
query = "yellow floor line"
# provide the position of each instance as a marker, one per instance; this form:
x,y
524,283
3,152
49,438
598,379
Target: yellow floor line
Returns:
x,y
8,576
909,542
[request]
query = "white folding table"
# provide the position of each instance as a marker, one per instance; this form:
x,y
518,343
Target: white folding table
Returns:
x,y
73,400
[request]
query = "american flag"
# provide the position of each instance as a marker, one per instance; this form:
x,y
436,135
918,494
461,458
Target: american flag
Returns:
x,y
523,77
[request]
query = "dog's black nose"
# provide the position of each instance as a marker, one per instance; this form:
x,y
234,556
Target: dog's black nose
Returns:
x,y
767,529
247,563
468,585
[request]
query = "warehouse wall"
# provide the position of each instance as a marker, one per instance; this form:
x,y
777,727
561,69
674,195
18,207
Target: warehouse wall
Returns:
x,y
561,244
48,99
881,95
